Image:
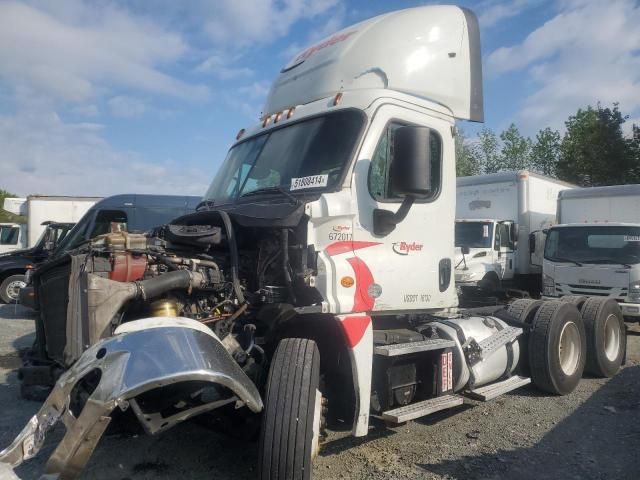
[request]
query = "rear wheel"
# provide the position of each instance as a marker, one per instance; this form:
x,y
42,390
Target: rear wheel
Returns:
x,y
524,310
557,347
604,326
293,409
10,287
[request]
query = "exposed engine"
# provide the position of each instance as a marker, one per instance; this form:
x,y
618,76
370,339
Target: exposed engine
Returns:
x,y
206,273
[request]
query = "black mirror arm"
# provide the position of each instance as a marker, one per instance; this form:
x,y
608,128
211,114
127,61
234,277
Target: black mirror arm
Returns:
x,y
384,221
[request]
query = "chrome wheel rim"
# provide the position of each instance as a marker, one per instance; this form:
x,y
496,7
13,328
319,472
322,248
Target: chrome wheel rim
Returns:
x,y
569,348
14,287
611,337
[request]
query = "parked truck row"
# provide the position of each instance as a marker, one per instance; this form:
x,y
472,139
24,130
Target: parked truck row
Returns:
x,y
495,214
315,285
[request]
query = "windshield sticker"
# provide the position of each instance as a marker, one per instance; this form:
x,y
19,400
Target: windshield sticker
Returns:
x,y
632,238
312,181
485,231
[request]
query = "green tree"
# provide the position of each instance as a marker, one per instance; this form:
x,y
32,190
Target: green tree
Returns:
x,y
486,151
516,150
7,217
545,152
594,150
466,162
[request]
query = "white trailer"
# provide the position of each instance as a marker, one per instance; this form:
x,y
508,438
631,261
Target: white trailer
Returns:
x,y
39,211
317,277
595,248
495,214
59,209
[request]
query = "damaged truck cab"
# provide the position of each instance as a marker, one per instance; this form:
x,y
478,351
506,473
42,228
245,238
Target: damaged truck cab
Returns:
x,y
315,284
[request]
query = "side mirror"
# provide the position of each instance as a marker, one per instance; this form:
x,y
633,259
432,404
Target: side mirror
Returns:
x,y
514,232
532,243
411,162
465,250
410,174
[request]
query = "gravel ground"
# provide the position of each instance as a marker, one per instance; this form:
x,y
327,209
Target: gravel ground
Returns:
x,y
594,433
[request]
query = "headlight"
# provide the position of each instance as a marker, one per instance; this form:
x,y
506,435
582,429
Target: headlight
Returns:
x,y
465,277
548,286
634,292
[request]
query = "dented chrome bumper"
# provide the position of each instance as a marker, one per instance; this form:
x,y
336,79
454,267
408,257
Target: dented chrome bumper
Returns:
x,y
144,358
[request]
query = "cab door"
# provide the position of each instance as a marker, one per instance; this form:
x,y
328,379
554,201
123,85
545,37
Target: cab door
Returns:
x,y
412,266
505,249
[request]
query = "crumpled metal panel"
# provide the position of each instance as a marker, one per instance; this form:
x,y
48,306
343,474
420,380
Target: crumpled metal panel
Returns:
x,y
153,354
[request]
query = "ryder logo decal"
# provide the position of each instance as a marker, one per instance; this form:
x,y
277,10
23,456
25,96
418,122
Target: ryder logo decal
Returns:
x,y
404,248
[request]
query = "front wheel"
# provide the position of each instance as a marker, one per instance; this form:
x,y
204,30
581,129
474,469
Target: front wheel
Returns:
x,y
10,287
293,409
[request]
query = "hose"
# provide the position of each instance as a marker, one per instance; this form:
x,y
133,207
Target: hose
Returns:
x,y
156,286
233,248
285,263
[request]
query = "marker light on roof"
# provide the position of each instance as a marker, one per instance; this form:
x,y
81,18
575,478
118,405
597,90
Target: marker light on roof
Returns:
x,y
337,99
290,112
240,134
266,121
277,117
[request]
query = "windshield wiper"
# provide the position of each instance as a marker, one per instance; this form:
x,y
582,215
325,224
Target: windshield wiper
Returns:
x,y
205,203
607,260
568,260
273,189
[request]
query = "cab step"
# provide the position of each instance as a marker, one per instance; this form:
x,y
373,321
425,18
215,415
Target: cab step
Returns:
x,y
494,342
396,349
493,390
421,409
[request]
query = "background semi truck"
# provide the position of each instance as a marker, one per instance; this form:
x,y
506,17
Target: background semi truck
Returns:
x,y
314,285
595,248
38,210
495,214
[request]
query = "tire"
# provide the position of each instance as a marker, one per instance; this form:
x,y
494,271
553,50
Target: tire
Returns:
x,y
8,291
577,300
524,310
291,418
605,330
490,283
557,347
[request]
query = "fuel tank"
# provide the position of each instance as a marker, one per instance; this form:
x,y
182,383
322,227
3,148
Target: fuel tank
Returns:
x,y
489,368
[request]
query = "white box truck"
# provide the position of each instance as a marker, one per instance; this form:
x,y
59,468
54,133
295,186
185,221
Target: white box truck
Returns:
x,y
59,209
39,210
595,247
12,233
316,279
495,214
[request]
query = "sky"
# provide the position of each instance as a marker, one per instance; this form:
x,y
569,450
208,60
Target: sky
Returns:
x,y
99,97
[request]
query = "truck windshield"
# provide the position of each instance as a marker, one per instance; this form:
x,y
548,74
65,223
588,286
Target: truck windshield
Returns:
x,y
310,155
594,244
474,234
9,234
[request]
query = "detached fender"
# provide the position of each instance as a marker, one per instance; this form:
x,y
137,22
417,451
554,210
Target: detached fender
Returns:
x,y
143,358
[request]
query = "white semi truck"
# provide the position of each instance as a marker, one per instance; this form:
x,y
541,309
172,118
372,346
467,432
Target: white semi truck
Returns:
x,y
595,247
39,211
495,214
315,283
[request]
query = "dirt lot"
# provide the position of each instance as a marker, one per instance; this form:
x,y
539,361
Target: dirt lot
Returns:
x,y
593,433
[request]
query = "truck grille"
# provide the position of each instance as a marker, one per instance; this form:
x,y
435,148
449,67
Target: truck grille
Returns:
x,y
617,293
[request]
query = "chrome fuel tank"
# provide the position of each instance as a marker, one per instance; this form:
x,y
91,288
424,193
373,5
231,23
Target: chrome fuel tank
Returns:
x,y
461,330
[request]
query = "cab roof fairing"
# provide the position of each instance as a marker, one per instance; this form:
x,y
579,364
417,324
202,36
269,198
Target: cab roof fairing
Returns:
x,y
431,52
